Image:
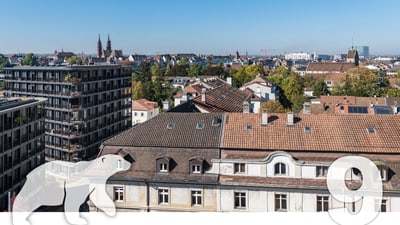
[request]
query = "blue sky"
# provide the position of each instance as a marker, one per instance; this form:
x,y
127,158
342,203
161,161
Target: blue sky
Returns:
x,y
201,27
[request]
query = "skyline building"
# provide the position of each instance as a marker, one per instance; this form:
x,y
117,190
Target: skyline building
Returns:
x,y
21,143
86,105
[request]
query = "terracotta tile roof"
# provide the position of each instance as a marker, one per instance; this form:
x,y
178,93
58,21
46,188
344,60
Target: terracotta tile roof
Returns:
x,y
259,79
329,67
328,133
177,130
223,99
143,105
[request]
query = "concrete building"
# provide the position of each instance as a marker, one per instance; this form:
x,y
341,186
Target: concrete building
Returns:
x,y
21,143
298,56
143,110
86,105
241,162
363,51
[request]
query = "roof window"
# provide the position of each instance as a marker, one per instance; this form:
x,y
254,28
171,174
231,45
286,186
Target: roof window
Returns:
x,y
249,127
200,126
371,130
307,129
170,126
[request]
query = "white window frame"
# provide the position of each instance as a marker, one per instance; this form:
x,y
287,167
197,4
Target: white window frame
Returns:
x,y
322,199
196,168
118,193
239,168
279,172
240,197
281,198
163,167
163,196
197,196
321,171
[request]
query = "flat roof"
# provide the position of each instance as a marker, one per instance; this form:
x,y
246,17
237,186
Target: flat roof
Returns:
x,y
16,102
66,68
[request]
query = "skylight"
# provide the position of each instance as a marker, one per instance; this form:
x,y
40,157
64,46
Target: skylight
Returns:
x,y
307,129
371,130
249,127
170,125
200,126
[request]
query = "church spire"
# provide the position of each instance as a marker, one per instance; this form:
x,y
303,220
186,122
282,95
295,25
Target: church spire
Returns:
x,y
99,48
108,44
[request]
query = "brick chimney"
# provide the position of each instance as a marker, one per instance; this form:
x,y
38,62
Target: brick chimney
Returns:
x,y
307,108
246,107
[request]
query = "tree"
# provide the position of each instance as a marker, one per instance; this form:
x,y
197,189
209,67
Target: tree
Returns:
x,y
294,87
398,74
246,74
75,60
29,60
361,82
216,70
144,74
138,90
273,107
320,88
195,70
393,92
179,70
3,62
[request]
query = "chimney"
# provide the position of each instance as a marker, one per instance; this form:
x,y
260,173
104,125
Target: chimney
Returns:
x,y
246,107
203,95
184,97
264,117
307,108
165,105
229,80
290,119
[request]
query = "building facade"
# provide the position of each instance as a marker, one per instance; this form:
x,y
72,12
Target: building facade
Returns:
x,y
21,143
143,110
252,163
86,105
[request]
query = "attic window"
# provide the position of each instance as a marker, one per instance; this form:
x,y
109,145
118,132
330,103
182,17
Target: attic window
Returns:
x,y
371,130
248,127
200,126
170,125
307,129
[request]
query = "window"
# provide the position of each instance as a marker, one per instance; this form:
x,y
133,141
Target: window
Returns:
x,y
240,200
384,205
322,171
239,168
280,202
307,129
196,168
280,169
135,113
162,196
371,130
119,164
383,172
196,198
200,126
118,193
322,203
248,127
163,167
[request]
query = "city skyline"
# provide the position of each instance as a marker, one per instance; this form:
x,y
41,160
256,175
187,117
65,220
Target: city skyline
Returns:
x,y
200,27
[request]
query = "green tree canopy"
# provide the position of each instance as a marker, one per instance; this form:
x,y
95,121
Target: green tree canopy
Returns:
x,y
361,82
273,107
320,88
179,70
3,62
216,70
393,92
195,70
75,60
29,60
246,74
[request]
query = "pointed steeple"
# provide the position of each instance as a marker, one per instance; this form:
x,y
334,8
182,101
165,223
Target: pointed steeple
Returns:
x,y
99,48
108,44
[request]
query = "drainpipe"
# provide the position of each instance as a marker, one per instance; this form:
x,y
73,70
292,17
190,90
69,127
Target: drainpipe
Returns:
x,y
147,196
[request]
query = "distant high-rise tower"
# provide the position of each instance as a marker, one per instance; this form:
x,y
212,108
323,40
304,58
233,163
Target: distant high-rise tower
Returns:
x,y
363,51
108,47
99,48
315,56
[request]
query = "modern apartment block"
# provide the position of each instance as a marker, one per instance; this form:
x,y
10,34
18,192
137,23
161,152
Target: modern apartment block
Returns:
x,y
86,105
21,142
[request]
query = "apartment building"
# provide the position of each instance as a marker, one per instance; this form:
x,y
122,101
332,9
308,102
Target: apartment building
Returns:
x,y
241,162
21,143
86,105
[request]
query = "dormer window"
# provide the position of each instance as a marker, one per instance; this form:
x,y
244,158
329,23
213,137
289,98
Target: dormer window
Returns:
x,y
163,164
280,169
196,165
239,168
248,127
371,130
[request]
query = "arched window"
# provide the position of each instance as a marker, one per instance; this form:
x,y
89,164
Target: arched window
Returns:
x,y
280,169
